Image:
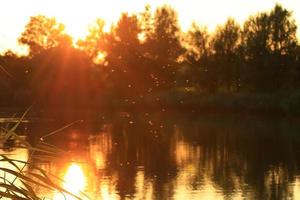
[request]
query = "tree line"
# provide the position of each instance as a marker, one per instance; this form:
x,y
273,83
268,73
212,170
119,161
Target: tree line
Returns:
x,y
147,54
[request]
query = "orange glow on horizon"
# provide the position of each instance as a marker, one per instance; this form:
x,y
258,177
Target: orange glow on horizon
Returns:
x,y
78,15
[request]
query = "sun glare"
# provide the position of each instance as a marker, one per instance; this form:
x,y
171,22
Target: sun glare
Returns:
x,y
77,16
74,179
74,182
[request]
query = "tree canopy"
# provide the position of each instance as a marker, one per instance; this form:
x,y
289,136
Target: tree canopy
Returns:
x,y
43,33
147,55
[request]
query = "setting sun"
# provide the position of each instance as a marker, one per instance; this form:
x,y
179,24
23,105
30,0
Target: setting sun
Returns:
x,y
149,99
79,15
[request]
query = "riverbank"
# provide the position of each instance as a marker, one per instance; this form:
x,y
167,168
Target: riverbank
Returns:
x,y
282,104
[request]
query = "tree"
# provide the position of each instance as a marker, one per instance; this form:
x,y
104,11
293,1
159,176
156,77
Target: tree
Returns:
x,y
43,33
162,47
63,76
196,65
124,56
94,43
283,38
15,76
269,44
283,47
255,37
164,38
225,45
198,39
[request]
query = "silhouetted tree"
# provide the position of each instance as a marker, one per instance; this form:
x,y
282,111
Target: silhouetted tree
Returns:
x,y
199,41
196,72
283,45
14,78
124,57
64,76
147,56
43,33
269,47
225,44
162,47
95,42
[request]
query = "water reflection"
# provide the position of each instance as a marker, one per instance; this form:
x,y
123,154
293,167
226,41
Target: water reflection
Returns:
x,y
148,157
74,180
17,154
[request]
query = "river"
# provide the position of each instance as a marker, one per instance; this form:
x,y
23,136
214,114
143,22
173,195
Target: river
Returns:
x,y
154,156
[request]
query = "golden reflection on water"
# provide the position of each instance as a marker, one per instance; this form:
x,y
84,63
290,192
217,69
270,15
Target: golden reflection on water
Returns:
x,y
185,169
99,147
107,190
74,181
80,179
144,188
296,188
188,159
17,154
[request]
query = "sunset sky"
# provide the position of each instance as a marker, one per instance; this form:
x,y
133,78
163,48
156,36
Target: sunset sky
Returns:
x,y
78,14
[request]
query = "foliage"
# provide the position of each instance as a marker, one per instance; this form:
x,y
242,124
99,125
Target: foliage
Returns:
x,y
225,45
162,48
94,43
269,47
42,33
147,54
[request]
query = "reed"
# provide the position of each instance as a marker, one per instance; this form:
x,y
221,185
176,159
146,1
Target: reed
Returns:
x,y
17,182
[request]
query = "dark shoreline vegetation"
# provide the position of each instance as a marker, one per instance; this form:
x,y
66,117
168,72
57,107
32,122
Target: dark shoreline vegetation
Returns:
x,y
146,61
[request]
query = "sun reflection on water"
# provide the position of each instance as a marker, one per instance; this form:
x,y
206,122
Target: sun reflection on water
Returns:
x,y
108,191
74,182
17,154
74,179
188,168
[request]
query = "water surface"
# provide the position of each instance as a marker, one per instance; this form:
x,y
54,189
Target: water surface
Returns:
x,y
150,156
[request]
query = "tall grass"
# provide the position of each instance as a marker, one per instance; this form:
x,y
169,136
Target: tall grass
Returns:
x,y
18,183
